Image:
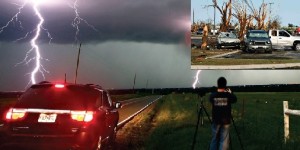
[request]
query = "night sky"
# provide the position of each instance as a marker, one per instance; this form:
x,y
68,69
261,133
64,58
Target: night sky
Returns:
x,y
142,37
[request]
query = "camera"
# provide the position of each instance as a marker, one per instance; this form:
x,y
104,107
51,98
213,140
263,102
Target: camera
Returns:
x,y
228,90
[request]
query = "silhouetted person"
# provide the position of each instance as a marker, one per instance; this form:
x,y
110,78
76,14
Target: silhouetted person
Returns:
x,y
221,115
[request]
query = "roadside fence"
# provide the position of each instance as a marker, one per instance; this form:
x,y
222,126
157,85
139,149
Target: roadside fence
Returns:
x,y
286,113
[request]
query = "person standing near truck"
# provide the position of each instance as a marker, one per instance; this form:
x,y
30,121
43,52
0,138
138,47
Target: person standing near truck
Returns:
x,y
221,115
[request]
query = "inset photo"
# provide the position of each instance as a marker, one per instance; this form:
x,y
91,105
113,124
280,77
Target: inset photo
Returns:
x,y
238,34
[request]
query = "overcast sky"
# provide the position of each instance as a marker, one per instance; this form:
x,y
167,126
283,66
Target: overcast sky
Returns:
x,y
142,37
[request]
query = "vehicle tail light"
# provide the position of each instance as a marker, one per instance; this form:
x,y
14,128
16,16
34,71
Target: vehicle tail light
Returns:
x,y
15,114
85,116
59,86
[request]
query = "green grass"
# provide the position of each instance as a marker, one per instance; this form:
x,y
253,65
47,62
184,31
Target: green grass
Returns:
x,y
260,124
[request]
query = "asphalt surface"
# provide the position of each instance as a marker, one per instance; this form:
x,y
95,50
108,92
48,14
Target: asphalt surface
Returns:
x,y
132,107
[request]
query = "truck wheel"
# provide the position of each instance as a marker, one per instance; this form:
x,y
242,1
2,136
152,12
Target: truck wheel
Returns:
x,y
297,46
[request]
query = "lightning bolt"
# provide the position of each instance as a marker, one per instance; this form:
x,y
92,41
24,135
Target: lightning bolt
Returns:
x,y
34,45
33,42
38,67
196,79
15,18
77,20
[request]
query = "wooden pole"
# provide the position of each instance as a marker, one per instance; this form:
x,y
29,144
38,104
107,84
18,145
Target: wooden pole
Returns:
x,y
77,64
243,113
65,78
286,120
134,83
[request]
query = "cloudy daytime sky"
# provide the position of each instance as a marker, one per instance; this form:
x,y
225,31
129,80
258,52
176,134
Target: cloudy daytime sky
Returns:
x,y
127,37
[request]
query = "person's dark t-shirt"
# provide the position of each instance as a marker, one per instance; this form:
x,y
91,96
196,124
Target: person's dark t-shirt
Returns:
x,y
221,106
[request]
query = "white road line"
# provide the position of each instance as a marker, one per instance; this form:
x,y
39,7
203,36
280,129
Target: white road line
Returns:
x,y
133,115
221,55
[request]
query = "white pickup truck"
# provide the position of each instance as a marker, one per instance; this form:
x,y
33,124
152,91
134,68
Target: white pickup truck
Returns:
x,y
282,39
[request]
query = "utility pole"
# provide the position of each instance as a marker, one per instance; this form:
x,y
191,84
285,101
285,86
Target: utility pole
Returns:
x,y
65,78
214,29
270,14
193,17
214,33
78,56
134,83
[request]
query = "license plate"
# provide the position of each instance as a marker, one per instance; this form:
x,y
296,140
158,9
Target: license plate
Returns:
x,y
48,118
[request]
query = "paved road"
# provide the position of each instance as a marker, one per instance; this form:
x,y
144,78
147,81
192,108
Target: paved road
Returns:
x,y
132,107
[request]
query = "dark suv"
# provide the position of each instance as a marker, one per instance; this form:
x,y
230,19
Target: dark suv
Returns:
x,y
257,41
68,116
200,31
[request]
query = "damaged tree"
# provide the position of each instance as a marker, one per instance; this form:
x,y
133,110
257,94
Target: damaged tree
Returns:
x,y
260,16
275,23
226,12
204,38
244,19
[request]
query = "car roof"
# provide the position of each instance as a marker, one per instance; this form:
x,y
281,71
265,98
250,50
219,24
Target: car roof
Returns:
x,y
50,84
47,95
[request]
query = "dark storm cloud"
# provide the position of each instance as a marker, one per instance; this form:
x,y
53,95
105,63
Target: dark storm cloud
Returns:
x,y
126,20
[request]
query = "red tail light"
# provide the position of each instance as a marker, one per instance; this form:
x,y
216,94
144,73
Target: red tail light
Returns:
x,y
85,116
59,86
15,114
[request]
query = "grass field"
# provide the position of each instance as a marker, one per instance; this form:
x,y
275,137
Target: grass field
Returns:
x,y
260,122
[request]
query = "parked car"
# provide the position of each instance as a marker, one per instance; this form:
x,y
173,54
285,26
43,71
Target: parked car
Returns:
x,y
71,116
228,40
232,30
196,42
257,41
200,31
281,38
212,31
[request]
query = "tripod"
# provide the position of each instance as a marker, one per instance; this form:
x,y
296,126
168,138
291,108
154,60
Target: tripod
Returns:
x,y
237,133
200,119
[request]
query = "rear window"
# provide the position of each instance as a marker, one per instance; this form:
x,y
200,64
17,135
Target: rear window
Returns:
x,y
49,97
